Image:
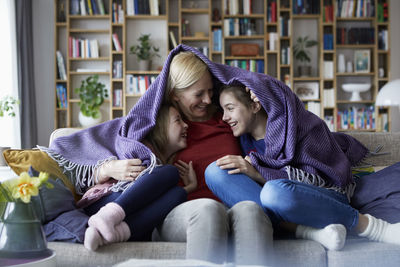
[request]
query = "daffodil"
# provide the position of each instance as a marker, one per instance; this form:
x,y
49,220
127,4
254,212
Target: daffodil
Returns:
x,y
24,186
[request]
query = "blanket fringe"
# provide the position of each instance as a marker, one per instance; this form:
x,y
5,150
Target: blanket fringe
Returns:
x,y
299,175
81,176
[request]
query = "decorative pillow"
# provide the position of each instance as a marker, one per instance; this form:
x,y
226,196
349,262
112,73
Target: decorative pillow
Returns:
x,y
21,159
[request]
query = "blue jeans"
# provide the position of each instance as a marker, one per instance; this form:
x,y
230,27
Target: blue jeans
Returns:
x,y
284,200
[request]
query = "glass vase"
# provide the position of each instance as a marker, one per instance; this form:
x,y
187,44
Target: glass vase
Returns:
x,y
21,232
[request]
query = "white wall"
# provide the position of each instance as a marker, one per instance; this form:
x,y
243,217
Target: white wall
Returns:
x,y
43,46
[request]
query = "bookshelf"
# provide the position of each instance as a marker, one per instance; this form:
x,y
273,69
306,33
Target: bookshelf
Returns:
x,y
216,27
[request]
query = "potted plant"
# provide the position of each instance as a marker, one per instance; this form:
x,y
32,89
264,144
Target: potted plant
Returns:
x,y
144,51
91,95
301,53
7,108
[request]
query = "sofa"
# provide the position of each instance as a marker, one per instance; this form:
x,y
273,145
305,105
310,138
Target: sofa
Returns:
x,y
288,252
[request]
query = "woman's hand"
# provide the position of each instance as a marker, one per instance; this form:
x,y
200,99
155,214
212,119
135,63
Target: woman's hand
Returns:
x,y
122,170
252,95
238,164
187,174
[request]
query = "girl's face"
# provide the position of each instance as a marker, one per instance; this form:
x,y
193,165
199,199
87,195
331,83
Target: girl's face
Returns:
x,y
240,117
195,100
177,131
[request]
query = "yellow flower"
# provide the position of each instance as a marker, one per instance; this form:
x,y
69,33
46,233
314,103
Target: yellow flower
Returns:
x,y
25,186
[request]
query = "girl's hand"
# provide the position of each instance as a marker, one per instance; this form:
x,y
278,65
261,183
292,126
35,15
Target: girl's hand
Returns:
x,y
187,174
122,170
238,164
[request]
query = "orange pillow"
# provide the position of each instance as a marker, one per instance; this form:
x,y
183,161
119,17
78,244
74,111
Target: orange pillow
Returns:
x,y
20,160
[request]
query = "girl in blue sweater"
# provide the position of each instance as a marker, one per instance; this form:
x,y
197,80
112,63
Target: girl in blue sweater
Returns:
x,y
310,208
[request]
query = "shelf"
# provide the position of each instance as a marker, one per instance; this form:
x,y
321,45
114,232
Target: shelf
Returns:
x,y
89,16
355,102
355,46
194,10
133,17
298,79
143,72
306,16
89,73
173,24
133,95
355,19
246,37
251,16
192,38
89,31
355,74
61,24
243,58
89,58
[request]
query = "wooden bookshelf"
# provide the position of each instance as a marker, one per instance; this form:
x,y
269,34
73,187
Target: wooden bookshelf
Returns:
x,y
203,25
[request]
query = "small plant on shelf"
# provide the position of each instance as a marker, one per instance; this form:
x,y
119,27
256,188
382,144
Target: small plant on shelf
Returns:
x,y
144,50
301,53
7,105
91,95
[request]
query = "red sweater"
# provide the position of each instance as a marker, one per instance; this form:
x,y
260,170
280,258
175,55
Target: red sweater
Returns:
x,y
207,141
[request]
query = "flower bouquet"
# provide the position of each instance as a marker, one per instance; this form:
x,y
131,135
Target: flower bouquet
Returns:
x,y
21,233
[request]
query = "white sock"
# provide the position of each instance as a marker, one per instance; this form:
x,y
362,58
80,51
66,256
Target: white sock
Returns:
x,y
93,239
381,231
332,236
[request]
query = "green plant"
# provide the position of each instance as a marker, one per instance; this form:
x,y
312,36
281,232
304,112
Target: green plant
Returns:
x,y
7,105
91,95
300,49
144,50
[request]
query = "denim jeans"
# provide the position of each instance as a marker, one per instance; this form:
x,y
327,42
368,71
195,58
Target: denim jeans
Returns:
x,y
284,200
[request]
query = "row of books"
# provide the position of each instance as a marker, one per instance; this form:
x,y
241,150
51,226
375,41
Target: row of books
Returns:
x,y
83,48
383,40
355,35
87,7
249,64
330,122
328,69
117,98
236,7
327,13
355,8
285,29
285,55
382,122
355,118
328,99
306,6
239,26
382,12
271,12
273,41
61,93
217,40
314,107
328,41
116,42
138,84
117,13
117,69
142,7
62,74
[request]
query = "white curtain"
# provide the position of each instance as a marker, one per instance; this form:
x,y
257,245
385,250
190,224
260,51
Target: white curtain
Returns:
x,y
9,126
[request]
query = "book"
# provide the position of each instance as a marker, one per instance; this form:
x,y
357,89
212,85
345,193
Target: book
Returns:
x,y
172,37
61,66
116,42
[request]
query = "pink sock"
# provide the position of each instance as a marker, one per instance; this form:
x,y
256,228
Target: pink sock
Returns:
x,y
93,239
106,219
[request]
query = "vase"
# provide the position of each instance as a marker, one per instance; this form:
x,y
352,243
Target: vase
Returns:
x,y
341,63
144,65
86,121
21,232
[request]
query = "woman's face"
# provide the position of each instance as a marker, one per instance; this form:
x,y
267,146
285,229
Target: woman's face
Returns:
x,y
177,131
195,100
240,117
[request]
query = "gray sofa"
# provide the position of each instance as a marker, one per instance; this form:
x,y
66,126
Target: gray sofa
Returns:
x,y
288,252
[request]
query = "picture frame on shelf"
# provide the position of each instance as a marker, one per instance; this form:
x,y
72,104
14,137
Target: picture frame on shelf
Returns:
x,y
307,90
362,61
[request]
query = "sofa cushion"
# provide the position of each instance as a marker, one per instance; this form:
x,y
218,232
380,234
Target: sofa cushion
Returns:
x,y
360,252
299,252
20,160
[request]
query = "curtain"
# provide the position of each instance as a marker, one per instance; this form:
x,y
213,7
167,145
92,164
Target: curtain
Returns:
x,y
9,126
23,11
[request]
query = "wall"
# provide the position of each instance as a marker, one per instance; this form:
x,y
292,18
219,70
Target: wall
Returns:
x,y
43,46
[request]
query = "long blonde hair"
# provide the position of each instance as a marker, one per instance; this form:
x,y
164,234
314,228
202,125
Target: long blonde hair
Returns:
x,y
185,69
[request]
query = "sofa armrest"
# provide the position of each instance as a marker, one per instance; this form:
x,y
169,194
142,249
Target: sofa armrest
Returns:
x,y
390,143
62,132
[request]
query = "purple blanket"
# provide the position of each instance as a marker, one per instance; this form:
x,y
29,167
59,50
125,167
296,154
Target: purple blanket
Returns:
x,y
294,136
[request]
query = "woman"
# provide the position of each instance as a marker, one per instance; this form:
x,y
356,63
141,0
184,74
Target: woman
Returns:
x,y
307,202
202,222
